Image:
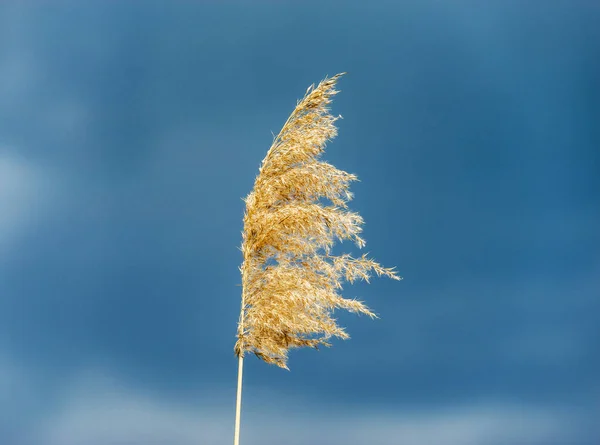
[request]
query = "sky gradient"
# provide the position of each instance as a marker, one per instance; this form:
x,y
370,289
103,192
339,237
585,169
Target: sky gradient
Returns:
x,y
130,131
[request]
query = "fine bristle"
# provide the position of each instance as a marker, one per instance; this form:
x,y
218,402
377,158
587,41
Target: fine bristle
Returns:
x,y
290,279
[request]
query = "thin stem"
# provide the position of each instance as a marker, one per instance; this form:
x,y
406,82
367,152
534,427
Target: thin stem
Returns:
x,y
238,404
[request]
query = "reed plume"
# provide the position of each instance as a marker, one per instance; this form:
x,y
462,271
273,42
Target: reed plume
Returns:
x,y
291,281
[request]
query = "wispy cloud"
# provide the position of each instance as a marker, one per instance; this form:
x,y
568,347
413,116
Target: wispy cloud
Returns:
x,y
98,410
22,192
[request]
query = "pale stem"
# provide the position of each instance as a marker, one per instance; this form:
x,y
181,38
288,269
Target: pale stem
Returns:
x,y
238,403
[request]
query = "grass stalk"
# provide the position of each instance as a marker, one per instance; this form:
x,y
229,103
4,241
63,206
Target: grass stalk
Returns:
x,y
291,281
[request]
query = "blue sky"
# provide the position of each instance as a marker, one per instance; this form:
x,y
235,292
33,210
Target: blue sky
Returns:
x,y
129,131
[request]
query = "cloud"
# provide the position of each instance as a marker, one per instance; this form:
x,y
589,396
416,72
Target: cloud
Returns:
x,y
98,410
23,190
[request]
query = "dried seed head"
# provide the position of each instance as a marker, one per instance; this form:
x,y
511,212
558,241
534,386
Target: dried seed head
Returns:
x,y
290,279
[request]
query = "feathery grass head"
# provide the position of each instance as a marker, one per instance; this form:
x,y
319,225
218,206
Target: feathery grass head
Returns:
x,y
291,282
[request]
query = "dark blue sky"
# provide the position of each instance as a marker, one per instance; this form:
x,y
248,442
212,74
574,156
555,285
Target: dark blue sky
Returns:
x,y
129,131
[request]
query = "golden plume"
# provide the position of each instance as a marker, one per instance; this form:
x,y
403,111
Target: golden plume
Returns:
x,y
291,282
